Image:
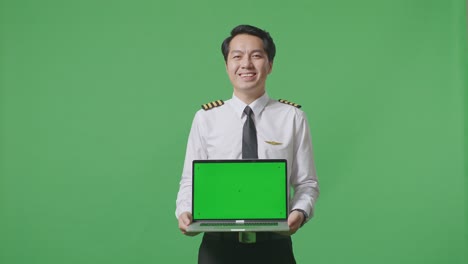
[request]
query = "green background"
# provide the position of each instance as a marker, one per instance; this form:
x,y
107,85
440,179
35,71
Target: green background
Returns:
x,y
97,99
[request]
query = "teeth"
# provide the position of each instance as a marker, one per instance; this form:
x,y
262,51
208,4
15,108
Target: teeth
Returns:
x,y
247,75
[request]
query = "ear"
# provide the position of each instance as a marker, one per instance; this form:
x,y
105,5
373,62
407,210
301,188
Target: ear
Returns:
x,y
271,67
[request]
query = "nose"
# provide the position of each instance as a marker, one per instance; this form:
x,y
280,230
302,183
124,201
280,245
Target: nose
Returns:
x,y
246,62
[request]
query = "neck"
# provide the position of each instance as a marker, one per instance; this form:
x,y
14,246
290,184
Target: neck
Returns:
x,y
248,98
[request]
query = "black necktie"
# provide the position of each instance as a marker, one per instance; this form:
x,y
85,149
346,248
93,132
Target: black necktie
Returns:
x,y
249,151
249,136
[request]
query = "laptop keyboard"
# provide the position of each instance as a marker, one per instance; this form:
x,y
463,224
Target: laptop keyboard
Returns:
x,y
240,224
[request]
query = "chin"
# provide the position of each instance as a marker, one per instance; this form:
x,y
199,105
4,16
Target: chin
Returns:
x,y
246,88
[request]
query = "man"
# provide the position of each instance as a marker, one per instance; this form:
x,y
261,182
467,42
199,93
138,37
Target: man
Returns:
x,y
282,132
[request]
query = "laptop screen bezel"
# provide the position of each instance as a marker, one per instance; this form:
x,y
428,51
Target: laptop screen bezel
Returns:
x,y
286,199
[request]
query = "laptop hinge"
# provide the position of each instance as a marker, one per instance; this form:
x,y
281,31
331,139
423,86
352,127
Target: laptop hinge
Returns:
x,y
240,221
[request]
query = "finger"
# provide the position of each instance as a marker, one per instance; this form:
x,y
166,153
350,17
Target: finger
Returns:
x,y
294,229
294,225
187,219
293,220
182,225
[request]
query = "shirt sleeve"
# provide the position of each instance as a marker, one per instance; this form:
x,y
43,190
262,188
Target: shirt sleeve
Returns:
x,y
195,150
303,175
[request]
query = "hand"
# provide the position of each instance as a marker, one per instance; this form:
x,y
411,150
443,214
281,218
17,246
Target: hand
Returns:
x,y
185,219
295,220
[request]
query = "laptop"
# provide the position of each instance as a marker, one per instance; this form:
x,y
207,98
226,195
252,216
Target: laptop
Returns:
x,y
239,196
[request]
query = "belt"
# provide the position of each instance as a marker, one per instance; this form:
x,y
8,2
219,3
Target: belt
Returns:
x,y
235,237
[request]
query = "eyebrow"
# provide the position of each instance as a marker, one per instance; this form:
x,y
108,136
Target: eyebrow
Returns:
x,y
253,51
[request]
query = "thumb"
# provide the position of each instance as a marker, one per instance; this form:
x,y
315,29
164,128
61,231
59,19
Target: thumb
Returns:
x,y
293,219
187,219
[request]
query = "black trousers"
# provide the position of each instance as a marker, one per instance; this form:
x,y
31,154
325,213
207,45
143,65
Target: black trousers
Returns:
x,y
277,251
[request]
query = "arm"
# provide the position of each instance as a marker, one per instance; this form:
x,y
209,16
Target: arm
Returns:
x,y
303,175
195,150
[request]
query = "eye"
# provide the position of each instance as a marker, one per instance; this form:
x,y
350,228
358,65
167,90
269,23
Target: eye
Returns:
x,y
236,57
257,56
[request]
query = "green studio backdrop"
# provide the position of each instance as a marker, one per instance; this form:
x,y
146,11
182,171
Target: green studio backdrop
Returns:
x,y
97,99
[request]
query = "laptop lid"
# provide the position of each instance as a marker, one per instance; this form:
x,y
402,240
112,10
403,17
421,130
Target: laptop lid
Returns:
x,y
239,190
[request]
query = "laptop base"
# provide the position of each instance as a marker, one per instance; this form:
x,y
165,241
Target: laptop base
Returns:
x,y
238,227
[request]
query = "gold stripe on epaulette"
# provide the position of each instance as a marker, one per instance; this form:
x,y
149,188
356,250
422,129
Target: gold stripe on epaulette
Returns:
x,y
212,105
289,103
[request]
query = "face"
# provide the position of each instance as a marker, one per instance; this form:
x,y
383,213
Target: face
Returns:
x,y
247,65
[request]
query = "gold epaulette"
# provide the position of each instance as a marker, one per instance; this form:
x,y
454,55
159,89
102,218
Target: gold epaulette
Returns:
x,y
289,103
212,105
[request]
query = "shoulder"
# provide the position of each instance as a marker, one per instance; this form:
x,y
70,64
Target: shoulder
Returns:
x,y
212,105
283,101
285,105
282,107
210,110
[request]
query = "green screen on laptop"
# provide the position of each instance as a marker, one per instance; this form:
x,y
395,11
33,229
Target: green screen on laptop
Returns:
x,y
239,189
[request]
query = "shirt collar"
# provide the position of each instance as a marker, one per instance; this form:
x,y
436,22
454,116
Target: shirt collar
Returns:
x,y
257,105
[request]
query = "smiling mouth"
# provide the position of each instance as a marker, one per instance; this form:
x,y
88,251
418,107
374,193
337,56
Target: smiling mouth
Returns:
x,y
247,74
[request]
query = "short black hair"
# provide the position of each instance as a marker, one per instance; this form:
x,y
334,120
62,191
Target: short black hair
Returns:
x,y
268,44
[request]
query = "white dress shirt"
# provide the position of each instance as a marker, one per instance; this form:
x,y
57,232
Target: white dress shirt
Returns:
x,y
282,133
